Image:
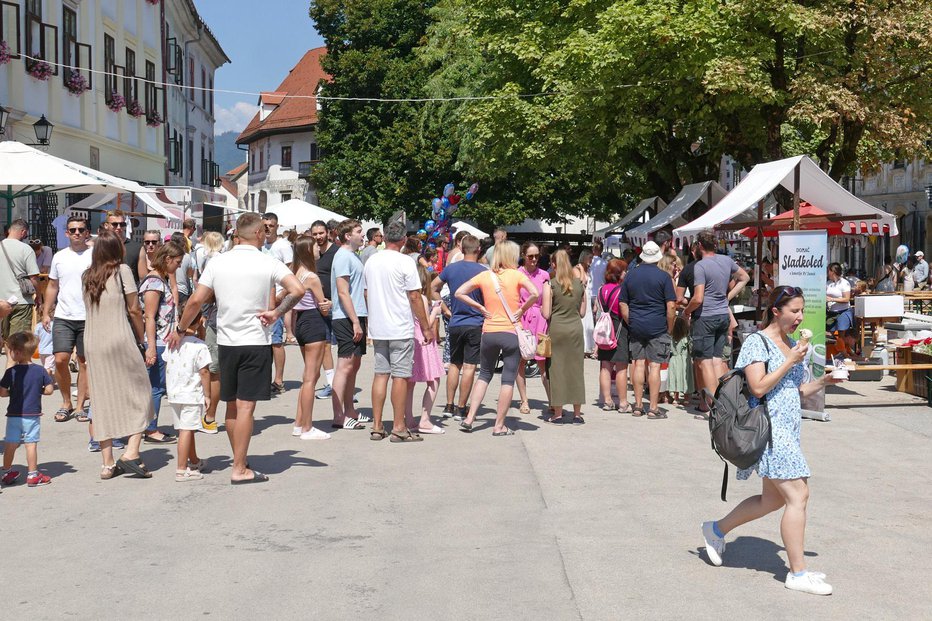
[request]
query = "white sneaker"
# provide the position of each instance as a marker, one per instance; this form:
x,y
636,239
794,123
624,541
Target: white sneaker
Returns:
x,y
714,545
315,434
325,392
810,582
182,476
296,431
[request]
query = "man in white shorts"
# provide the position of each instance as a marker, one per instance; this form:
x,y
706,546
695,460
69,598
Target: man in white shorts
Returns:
x,y
393,293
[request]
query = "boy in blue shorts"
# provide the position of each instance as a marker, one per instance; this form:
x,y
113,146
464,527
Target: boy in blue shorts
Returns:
x,y
24,383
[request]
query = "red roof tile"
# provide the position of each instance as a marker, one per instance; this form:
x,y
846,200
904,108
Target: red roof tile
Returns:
x,y
237,170
293,112
229,186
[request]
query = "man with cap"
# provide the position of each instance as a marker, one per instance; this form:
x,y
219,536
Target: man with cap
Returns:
x,y
921,271
648,305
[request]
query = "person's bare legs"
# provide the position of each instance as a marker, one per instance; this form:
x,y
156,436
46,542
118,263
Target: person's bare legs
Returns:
x,y
504,402
63,377
653,383
312,355
708,368
132,446
211,414
344,384
427,404
795,493
621,385
379,390
82,383
106,453
186,449
544,377
278,357
521,382
605,382
409,406
399,397
9,450
32,456
230,420
637,382
453,382
475,399
240,435
466,382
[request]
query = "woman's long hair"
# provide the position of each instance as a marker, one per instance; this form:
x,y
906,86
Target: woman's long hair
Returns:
x,y
164,254
564,274
304,254
106,258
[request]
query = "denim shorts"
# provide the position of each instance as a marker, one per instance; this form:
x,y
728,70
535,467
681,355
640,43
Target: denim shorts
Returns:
x,y
22,429
278,331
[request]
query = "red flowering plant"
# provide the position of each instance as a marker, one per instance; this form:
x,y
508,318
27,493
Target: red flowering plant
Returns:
x,y
76,83
153,119
135,109
5,55
40,70
117,102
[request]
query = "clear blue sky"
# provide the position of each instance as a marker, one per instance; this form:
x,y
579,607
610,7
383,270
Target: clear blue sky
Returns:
x,y
264,40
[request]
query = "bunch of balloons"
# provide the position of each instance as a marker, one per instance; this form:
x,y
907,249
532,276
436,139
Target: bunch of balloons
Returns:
x,y
442,209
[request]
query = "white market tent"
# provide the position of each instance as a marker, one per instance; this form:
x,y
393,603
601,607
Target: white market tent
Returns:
x,y
458,226
814,186
655,204
707,192
299,215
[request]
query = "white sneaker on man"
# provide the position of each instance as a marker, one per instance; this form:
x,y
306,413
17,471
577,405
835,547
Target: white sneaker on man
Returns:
x,y
810,582
325,392
714,545
315,434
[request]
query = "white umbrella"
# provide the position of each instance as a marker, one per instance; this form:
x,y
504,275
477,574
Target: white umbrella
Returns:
x,y
298,214
456,227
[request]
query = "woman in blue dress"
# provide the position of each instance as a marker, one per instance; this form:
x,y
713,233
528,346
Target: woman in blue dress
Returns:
x,y
772,364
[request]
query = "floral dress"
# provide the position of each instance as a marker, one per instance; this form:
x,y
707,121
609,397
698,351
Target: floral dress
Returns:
x,y
785,460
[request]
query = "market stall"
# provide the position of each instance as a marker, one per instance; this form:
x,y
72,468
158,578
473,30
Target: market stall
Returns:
x,y
680,210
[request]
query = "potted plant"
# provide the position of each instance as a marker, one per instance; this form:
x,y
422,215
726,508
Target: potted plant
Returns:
x,y
117,102
76,83
153,119
5,55
135,109
39,69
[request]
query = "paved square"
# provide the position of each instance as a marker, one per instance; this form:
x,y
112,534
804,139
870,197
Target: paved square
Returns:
x,y
594,521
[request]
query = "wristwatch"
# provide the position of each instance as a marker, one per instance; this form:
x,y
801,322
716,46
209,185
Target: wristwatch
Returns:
x,y
180,330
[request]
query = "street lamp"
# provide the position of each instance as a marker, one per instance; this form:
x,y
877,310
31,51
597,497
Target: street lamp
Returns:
x,y
43,131
4,115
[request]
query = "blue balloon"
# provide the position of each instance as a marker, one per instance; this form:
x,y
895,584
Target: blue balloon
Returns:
x,y
436,203
446,203
429,225
468,195
441,215
448,189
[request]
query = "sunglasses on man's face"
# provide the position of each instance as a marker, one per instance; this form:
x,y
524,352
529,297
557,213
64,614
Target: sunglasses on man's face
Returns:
x,y
151,242
76,229
118,225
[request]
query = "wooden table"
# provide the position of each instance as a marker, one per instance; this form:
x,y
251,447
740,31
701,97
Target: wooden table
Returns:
x,y
904,369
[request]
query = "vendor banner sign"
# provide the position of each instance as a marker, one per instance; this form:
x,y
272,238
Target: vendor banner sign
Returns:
x,y
803,263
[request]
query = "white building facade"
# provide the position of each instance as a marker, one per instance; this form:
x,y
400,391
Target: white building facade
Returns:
x,y
281,138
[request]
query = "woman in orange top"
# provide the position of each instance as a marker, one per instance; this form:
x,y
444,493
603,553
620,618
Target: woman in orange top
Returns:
x,y
498,331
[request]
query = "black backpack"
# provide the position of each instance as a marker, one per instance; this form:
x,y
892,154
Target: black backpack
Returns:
x,y
740,434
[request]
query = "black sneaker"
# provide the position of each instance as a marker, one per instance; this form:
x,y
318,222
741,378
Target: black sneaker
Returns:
x,y
461,413
448,411
277,389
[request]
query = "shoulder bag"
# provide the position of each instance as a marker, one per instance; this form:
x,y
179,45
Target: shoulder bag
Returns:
x,y
25,283
527,342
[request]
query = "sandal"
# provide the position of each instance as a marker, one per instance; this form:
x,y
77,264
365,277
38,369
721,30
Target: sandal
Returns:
x,y
556,419
85,414
63,415
113,470
638,411
625,410
656,414
349,423
467,427
504,432
609,407
407,436
378,434
525,408
135,466
579,420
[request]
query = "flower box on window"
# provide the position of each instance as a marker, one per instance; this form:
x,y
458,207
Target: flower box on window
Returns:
x,y
117,102
5,55
40,70
153,119
135,109
76,83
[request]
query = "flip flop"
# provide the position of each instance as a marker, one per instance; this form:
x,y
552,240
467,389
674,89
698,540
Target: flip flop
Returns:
x,y
434,429
257,477
467,427
506,432
554,420
656,415
637,412
349,423
405,437
378,434
63,415
579,420
165,439
84,415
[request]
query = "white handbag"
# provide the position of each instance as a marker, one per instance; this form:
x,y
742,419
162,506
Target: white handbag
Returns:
x,y
527,341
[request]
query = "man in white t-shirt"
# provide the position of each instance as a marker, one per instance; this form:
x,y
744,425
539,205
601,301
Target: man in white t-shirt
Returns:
x,y
393,295
64,297
278,248
241,281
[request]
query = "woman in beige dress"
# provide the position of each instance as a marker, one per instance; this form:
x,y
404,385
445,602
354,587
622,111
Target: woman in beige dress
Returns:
x,y
115,369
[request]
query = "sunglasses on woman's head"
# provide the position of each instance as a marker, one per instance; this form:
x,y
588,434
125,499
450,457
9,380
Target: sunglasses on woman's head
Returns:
x,y
787,292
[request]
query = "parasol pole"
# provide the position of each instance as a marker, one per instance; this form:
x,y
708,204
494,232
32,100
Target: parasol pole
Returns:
x,y
760,255
796,197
